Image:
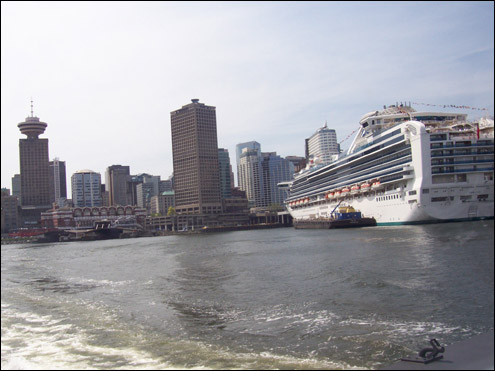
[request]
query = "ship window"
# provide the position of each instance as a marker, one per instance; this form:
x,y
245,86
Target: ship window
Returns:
x,y
488,176
412,193
443,179
482,197
426,190
439,199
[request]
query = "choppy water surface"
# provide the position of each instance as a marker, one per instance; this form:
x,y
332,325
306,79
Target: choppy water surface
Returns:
x,y
271,299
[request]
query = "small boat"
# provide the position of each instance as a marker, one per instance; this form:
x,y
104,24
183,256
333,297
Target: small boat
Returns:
x,y
376,185
345,217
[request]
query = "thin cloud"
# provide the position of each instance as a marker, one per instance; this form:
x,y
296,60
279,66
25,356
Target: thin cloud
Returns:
x,y
105,76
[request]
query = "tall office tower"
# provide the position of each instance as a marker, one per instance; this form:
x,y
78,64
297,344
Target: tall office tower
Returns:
x,y
86,189
144,192
238,151
225,172
105,198
322,145
16,187
116,179
166,185
195,158
275,170
10,211
251,177
58,182
34,169
298,162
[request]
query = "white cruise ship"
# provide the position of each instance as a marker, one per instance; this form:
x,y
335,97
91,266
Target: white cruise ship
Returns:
x,y
404,167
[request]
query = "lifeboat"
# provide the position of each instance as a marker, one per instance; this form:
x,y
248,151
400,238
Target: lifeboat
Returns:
x,y
376,185
355,189
345,190
331,195
337,193
365,187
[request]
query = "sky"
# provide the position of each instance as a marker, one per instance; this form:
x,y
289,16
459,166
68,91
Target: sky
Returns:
x,y
105,76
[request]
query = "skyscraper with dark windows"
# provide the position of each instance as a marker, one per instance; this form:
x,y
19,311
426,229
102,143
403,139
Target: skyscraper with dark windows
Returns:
x,y
34,170
58,182
225,173
117,178
195,159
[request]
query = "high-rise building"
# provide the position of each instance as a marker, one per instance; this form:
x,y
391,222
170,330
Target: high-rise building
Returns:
x,y
10,212
117,178
160,204
225,172
251,176
34,170
86,189
322,145
16,187
195,159
238,152
58,182
275,170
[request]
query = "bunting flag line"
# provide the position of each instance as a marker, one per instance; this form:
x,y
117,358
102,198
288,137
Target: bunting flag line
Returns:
x,y
348,136
430,105
451,106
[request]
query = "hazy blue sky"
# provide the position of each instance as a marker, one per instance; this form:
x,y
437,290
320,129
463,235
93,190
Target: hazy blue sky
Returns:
x,y
105,76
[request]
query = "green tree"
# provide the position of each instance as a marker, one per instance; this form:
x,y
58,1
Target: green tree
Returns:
x,y
171,211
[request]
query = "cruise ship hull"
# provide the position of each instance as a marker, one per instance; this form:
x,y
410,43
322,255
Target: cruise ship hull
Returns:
x,y
400,211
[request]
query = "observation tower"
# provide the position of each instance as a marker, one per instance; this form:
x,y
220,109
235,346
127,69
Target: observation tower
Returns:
x,y
32,127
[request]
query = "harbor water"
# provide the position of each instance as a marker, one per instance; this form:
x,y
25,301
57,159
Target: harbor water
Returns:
x,y
263,299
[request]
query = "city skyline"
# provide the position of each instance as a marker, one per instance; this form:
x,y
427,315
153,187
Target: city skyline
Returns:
x,y
274,71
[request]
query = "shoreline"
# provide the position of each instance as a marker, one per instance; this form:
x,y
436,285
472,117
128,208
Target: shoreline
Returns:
x,y
37,240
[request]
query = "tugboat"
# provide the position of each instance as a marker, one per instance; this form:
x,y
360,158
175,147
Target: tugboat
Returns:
x,y
345,217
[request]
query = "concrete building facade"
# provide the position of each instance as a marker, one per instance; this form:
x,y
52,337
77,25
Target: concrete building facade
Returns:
x,y
86,189
251,176
322,145
117,178
195,159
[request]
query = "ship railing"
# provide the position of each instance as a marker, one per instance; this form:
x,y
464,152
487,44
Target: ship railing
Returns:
x,y
470,170
459,145
461,162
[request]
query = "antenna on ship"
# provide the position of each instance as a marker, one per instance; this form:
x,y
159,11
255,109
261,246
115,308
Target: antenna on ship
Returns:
x,y
402,110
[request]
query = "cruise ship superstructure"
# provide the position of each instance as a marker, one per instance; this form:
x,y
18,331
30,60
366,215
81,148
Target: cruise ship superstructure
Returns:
x,y
404,167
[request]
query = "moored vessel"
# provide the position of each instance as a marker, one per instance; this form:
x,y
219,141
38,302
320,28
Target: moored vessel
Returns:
x,y
411,167
345,217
